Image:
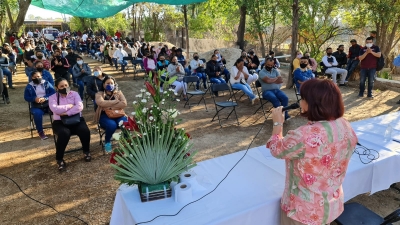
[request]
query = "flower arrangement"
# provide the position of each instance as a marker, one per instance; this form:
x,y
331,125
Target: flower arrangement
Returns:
x,y
151,149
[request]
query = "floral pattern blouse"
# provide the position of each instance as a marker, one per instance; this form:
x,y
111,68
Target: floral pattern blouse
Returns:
x,y
316,157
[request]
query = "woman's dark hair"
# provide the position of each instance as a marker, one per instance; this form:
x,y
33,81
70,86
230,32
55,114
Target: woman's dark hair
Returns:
x,y
58,80
108,78
34,72
323,98
239,60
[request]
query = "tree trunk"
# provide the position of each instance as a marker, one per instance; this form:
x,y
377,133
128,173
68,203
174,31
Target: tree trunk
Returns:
x,y
260,36
15,25
186,30
272,36
242,27
183,37
155,19
295,31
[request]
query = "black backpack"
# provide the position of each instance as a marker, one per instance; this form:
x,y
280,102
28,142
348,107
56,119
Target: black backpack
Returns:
x,y
381,63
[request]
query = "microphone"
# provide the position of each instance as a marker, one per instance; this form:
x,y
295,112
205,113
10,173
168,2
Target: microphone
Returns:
x,y
292,106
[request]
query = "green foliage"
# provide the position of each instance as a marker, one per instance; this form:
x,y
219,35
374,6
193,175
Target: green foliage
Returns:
x,y
111,24
385,75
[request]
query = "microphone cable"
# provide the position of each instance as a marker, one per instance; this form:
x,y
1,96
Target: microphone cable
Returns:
x,y
171,215
84,222
366,155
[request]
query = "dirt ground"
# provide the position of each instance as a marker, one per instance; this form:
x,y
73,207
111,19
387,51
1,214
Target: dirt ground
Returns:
x,y
87,190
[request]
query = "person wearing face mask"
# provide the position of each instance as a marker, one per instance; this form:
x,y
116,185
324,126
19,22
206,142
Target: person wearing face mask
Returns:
x,y
255,62
162,65
80,70
96,84
60,65
4,63
222,62
271,83
197,66
160,46
340,56
353,56
119,55
68,103
312,63
302,74
3,88
369,61
110,98
72,58
37,93
40,58
176,69
213,71
296,61
28,55
45,74
237,80
331,67
150,64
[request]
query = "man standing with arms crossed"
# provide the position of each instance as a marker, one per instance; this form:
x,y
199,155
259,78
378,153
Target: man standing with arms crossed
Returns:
x,y
369,61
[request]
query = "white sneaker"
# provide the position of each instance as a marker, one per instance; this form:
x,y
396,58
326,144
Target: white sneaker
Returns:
x,y
161,89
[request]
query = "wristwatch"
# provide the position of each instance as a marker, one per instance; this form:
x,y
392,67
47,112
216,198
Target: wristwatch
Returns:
x,y
278,124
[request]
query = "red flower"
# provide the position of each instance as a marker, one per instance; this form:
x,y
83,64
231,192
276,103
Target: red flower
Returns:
x,y
188,154
112,158
326,160
131,125
156,81
188,135
150,88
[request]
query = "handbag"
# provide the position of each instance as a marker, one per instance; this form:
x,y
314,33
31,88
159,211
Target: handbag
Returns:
x,y
43,105
69,120
114,113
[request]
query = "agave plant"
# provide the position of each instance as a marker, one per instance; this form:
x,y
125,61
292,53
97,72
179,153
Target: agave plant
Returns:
x,y
151,150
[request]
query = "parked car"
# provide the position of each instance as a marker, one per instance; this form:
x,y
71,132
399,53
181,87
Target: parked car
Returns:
x,y
48,33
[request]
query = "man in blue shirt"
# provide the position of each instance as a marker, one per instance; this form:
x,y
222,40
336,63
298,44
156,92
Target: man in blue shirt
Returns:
x,y
302,74
271,82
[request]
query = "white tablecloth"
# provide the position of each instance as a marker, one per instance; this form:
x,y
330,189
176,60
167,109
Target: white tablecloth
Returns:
x,y
252,192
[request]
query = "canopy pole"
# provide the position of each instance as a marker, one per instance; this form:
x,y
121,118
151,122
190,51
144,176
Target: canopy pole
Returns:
x,y
186,31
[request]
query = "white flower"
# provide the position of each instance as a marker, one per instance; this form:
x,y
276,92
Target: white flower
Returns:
x,y
116,136
178,100
172,112
183,128
170,89
144,110
144,134
148,93
151,111
163,100
138,96
120,123
151,118
133,113
143,100
162,103
134,102
142,90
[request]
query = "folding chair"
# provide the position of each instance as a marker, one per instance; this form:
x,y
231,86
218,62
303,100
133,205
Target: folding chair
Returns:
x,y
235,91
128,59
297,92
135,63
32,122
209,84
4,98
191,80
262,100
55,137
355,213
86,80
102,133
219,106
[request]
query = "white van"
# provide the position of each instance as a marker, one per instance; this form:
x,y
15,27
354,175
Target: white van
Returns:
x,y
48,33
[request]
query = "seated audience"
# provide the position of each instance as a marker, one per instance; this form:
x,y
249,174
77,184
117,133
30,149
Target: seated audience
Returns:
x,y
176,69
40,57
66,103
213,71
255,62
239,72
37,93
60,65
45,74
4,89
4,67
312,63
79,71
271,82
341,56
96,84
296,61
110,100
162,65
150,64
197,67
119,55
330,64
221,61
182,60
303,73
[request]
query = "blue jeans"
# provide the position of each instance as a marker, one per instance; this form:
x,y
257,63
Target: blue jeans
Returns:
x,y
364,74
74,79
245,88
123,64
114,60
202,76
110,125
81,88
217,80
38,117
227,75
277,98
351,66
7,72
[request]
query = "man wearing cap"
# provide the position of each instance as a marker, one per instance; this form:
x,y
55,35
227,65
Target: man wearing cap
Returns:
x,y
119,54
354,53
340,56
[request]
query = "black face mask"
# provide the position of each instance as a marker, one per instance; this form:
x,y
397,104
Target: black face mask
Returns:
x,y
162,60
268,68
175,63
64,91
196,58
37,80
303,65
307,57
329,54
251,53
40,69
214,61
70,53
58,57
40,57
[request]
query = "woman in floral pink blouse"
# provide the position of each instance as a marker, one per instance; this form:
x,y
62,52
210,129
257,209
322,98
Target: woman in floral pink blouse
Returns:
x,y
316,155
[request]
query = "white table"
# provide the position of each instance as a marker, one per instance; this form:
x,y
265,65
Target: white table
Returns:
x,y
251,193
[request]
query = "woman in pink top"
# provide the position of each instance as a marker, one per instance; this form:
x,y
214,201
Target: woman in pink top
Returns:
x,y
316,156
312,63
150,64
68,103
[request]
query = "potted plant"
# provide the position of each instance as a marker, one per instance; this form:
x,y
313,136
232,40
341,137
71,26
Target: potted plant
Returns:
x,y
152,152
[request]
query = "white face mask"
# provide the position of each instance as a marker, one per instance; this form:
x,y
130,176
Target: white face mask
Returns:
x,y
299,56
80,62
369,45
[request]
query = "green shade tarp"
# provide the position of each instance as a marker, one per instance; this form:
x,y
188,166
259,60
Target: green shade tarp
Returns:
x,y
98,8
